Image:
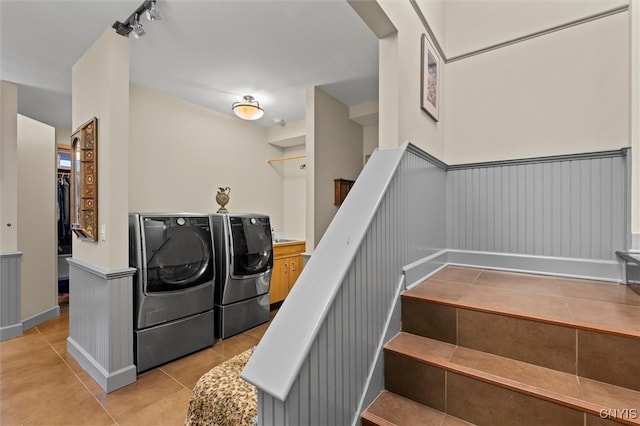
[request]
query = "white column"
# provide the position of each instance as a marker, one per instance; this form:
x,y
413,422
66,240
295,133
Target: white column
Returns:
x,y
8,167
10,258
101,303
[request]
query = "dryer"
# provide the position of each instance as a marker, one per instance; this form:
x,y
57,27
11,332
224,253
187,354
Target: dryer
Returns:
x,y
244,260
173,286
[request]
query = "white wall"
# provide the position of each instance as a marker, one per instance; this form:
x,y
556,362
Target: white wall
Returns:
x,y
37,213
473,25
8,167
435,12
63,137
369,140
287,135
334,149
388,98
180,153
400,84
100,88
295,190
367,115
565,92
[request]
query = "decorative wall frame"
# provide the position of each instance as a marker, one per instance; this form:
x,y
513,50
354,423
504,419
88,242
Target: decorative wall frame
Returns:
x,y
84,181
429,79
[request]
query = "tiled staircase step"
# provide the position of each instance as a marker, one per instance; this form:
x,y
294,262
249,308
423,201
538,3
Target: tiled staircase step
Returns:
x,y
584,304
487,389
390,409
534,328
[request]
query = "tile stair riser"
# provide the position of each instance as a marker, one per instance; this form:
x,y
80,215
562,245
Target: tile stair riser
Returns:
x,y
502,348
560,347
490,383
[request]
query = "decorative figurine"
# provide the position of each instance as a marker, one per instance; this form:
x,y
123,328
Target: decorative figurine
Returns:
x,y
222,198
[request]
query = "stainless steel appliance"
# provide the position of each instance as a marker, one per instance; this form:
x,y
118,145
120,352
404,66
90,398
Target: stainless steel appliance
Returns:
x,y
244,260
173,286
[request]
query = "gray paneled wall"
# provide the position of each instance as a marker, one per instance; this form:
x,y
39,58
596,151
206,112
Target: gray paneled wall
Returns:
x,y
101,323
409,224
554,209
570,206
10,321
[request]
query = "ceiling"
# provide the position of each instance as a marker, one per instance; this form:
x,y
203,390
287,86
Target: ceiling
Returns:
x,y
209,52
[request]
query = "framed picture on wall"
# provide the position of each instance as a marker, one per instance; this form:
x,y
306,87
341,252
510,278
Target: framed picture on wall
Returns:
x,y
84,181
429,79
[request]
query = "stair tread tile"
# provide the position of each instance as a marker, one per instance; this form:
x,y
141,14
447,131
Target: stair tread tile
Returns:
x,y
528,283
458,273
592,305
598,291
415,346
610,396
394,409
493,299
435,289
518,371
605,314
566,388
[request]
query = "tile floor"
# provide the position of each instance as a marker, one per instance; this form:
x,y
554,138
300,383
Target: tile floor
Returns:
x,y
41,384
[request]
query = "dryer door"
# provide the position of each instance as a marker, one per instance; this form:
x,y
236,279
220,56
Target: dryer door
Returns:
x,y
252,248
178,252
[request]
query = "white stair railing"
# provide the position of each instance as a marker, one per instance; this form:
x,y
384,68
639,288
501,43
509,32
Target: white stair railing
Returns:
x,y
314,363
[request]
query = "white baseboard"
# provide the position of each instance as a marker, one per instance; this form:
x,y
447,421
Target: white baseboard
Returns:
x,y
602,270
15,330
420,270
107,381
10,331
38,319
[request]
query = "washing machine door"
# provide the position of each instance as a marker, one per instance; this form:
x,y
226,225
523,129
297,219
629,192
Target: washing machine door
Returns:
x,y
252,247
178,252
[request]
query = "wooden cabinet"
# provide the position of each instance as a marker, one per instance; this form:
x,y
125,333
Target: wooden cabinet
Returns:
x,y
341,189
287,265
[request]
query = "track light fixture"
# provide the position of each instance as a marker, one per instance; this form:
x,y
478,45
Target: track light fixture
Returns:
x,y
151,13
132,26
136,28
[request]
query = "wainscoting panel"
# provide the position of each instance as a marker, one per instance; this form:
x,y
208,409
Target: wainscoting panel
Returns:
x,y
401,220
101,323
407,216
569,206
10,321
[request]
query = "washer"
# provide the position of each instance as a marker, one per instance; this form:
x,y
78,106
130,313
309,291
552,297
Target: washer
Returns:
x,y
243,271
173,286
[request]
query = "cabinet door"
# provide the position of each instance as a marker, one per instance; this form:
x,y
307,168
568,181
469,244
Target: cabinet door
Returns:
x,y
295,267
279,280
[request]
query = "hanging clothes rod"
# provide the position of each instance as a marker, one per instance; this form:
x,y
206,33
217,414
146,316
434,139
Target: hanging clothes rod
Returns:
x,y
290,157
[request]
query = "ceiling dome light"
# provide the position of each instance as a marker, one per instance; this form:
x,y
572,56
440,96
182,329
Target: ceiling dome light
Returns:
x,y
248,109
